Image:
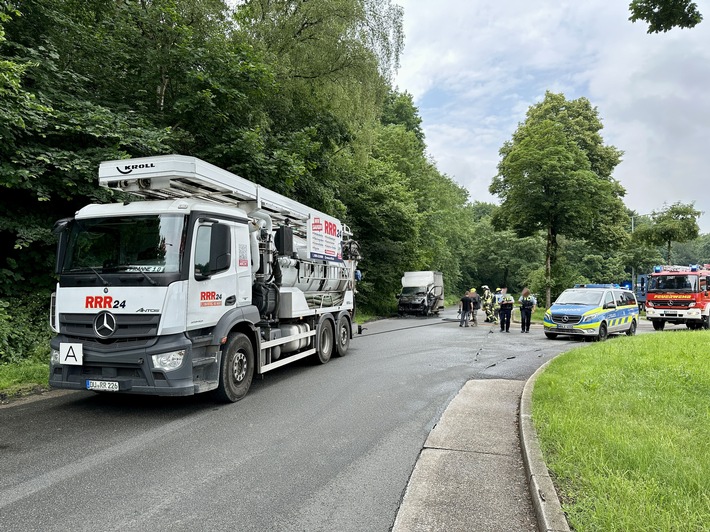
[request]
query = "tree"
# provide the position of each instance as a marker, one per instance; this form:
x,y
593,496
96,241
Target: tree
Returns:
x,y
664,15
674,223
555,176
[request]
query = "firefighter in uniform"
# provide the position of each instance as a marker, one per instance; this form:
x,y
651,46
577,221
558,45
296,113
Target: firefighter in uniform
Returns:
x,y
487,303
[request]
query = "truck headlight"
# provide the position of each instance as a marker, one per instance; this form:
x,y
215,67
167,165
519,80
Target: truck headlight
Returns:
x,y
691,304
168,361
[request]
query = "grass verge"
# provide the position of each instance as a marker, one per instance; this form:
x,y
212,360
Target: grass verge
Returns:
x,y
23,378
624,428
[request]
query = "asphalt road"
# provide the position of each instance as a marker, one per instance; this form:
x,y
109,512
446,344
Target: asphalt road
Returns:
x,y
311,448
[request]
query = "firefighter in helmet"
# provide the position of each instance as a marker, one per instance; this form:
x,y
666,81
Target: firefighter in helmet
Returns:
x,y
487,303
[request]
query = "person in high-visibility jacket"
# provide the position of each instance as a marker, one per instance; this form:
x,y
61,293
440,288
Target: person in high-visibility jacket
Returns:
x,y
527,306
487,303
506,309
496,304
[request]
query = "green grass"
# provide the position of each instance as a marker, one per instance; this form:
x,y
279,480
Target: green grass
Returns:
x,y
24,377
624,427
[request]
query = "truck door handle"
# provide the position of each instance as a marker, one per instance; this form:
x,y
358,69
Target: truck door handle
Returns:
x,y
231,300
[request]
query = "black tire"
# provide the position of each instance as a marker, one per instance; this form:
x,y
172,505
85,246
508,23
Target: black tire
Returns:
x,y
324,340
658,325
342,336
603,332
236,369
632,328
706,323
551,336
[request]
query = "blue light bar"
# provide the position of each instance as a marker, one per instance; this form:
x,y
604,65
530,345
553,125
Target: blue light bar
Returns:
x,y
694,267
657,269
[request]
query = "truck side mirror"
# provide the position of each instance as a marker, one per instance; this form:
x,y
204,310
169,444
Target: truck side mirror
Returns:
x,y
398,296
61,228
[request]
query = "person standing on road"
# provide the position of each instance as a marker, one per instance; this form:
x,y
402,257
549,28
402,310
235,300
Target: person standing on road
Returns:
x,y
527,306
475,305
496,304
487,303
506,309
465,305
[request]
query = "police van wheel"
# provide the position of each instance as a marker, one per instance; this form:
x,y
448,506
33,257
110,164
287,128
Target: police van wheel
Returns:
x,y
551,336
603,333
632,328
236,370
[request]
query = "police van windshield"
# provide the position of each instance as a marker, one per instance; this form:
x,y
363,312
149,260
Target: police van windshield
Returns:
x,y
580,297
675,283
140,244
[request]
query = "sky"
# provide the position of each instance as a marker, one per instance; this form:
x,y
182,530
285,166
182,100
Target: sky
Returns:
x,y
474,67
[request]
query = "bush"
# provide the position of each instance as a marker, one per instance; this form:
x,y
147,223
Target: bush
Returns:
x,y
24,328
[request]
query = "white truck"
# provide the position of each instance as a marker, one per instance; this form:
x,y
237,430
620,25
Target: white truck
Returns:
x,y
204,282
422,293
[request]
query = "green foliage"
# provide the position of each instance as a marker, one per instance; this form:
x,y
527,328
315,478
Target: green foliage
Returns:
x,y
675,223
664,15
24,328
555,176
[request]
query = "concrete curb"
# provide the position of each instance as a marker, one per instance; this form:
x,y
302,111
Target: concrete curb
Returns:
x,y
548,510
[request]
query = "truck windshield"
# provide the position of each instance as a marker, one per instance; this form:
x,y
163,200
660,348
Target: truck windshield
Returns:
x,y
676,283
580,297
413,290
141,244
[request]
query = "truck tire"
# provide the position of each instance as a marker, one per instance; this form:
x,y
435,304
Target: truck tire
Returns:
x,y
632,328
342,336
658,325
236,369
706,323
324,340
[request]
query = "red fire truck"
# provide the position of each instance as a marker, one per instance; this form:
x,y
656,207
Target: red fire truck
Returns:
x,y
677,295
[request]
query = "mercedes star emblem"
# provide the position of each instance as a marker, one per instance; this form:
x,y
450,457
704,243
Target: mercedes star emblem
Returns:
x,y
565,319
105,325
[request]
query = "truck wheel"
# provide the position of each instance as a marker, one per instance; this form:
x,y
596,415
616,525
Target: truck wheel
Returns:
x,y
324,339
603,333
632,328
236,369
705,323
342,336
658,325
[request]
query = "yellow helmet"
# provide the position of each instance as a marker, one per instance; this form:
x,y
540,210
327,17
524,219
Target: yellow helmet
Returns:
x,y
473,289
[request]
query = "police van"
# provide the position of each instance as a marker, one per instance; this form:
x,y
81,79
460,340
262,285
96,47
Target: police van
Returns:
x,y
592,311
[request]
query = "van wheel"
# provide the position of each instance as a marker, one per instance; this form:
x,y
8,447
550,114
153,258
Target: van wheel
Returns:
x,y
236,369
324,337
632,328
342,336
658,325
603,333
551,336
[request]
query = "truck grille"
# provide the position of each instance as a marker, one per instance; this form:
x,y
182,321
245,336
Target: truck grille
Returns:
x,y
131,329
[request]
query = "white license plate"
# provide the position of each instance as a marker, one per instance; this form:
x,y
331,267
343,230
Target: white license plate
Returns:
x,y
567,326
102,386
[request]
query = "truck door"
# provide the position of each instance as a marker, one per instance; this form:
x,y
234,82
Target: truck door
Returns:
x,y
212,287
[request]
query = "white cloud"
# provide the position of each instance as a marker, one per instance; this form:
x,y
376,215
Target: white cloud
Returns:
x,y
474,67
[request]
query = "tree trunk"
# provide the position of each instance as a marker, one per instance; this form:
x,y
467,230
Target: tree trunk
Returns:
x,y
548,268
668,255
